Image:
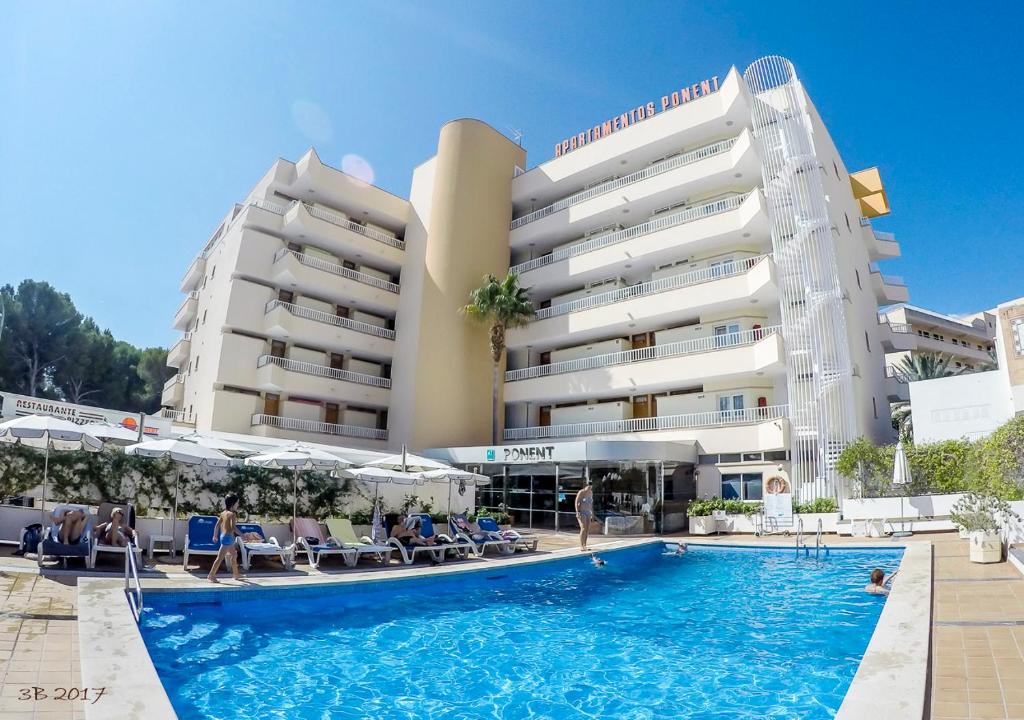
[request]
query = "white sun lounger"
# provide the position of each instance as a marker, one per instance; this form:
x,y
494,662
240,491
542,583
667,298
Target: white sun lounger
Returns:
x,y
267,548
341,530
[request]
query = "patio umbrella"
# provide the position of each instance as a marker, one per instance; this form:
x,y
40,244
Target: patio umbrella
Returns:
x,y
115,434
452,476
377,533
183,452
44,432
900,478
407,462
377,475
225,446
298,457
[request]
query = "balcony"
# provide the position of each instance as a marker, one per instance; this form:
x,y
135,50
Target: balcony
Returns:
x,y
889,289
896,337
303,222
187,311
196,270
318,428
884,246
179,352
174,391
706,170
896,384
317,328
277,374
718,418
719,224
334,282
651,304
651,369
179,417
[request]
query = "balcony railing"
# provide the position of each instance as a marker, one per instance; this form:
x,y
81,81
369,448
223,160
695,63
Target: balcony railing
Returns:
x,y
892,280
193,295
334,268
650,171
273,207
891,371
654,352
694,277
687,215
178,416
321,316
323,428
323,371
665,422
342,221
174,380
195,261
900,328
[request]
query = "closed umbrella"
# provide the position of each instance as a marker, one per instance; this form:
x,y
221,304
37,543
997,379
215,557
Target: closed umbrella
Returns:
x,y
900,479
298,457
183,452
453,476
44,432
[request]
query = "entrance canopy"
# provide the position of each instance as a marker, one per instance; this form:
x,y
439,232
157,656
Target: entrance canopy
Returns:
x,y
569,452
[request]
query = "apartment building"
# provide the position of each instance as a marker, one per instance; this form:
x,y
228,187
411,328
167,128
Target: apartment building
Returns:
x,y
968,342
704,270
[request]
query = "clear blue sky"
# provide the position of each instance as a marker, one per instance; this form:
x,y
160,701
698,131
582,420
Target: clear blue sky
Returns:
x,y
128,129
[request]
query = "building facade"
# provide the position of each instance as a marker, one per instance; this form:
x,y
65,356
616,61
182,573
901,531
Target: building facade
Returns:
x,y
703,267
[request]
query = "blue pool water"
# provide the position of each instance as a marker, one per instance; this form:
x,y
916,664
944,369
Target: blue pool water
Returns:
x,y
717,633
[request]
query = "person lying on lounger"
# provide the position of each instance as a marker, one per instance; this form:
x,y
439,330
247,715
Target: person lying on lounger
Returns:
x,y
472,529
403,533
70,523
116,532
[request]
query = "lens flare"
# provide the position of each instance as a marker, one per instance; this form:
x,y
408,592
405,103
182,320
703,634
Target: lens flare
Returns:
x,y
312,121
358,168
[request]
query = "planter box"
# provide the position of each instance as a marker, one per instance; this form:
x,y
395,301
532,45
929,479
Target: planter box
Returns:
x,y
705,525
986,547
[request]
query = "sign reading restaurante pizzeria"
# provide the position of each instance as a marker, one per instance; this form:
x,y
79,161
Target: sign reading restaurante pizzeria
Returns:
x,y
637,114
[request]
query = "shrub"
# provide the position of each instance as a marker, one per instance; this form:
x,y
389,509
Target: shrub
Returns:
x,y
705,506
821,505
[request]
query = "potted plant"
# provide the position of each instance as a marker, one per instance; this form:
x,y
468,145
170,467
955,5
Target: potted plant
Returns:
x,y
981,518
700,513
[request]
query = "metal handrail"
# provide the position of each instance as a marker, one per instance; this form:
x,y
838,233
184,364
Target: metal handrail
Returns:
x,y
336,269
132,586
799,534
657,168
694,277
891,371
899,327
341,221
324,371
817,541
192,295
321,316
653,352
315,426
272,207
687,215
177,415
661,422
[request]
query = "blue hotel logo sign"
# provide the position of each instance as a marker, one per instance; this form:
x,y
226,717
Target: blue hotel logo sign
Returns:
x,y
490,454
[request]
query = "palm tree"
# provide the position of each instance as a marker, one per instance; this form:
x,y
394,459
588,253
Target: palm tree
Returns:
x,y
926,366
902,420
502,304
991,364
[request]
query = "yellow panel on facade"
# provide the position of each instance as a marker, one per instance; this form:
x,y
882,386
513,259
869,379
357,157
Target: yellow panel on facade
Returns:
x,y
868,188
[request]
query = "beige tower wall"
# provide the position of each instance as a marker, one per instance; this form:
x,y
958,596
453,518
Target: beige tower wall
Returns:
x,y
458,232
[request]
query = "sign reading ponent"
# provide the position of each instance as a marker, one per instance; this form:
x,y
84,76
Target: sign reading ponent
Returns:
x,y
637,114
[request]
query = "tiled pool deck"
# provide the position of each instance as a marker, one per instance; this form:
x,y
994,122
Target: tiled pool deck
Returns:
x,y
977,667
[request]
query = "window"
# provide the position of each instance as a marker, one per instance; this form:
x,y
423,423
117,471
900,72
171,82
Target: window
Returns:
x,y
857,273
726,334
730,404
197,363
213,272
867,340
204,317
742,486
874,407
752,457
848,228
835,168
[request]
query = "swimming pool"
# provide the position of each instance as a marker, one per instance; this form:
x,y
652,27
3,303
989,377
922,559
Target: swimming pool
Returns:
x,y
716,633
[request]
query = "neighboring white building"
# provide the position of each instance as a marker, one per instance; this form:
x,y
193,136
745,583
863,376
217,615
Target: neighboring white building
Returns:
x,y
973,405
704,270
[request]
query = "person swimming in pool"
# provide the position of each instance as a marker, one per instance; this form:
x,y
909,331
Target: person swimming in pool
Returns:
x,y
880,582
585,511
598,561
224,535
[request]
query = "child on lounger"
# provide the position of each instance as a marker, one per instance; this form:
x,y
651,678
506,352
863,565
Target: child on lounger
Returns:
x,y
224,534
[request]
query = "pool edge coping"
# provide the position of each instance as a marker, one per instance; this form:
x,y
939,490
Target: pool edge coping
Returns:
x,y
892,678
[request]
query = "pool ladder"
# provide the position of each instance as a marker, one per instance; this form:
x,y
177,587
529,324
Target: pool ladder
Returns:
x,y
801,543
132,586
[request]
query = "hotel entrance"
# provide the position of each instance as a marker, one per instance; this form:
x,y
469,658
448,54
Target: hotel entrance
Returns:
x,y
635,482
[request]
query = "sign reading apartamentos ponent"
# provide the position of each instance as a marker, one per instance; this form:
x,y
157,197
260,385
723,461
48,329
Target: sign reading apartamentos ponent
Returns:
x,y
637,114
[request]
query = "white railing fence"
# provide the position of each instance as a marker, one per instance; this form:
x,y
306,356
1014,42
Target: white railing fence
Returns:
x,y
657,168
653,352
716,418
687,215
132,586
336,269
179,416
341,221
324,317
322,428
323,371
694,277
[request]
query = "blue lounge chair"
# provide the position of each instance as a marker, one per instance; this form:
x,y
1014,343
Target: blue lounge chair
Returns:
x,y
479,543
51,545
199,537
263,548
436,553
518,540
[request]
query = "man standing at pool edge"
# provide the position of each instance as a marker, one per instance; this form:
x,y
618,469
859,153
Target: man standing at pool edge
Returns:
x,y
585,511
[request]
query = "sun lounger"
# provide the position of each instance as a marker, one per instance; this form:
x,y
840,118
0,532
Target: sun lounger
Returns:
x,y
341,530
199,537
436,553
103,514
51,545
459,527
519,540
264,548
310,538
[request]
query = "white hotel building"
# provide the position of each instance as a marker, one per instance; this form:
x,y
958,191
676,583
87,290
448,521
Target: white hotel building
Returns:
x,y
706,288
